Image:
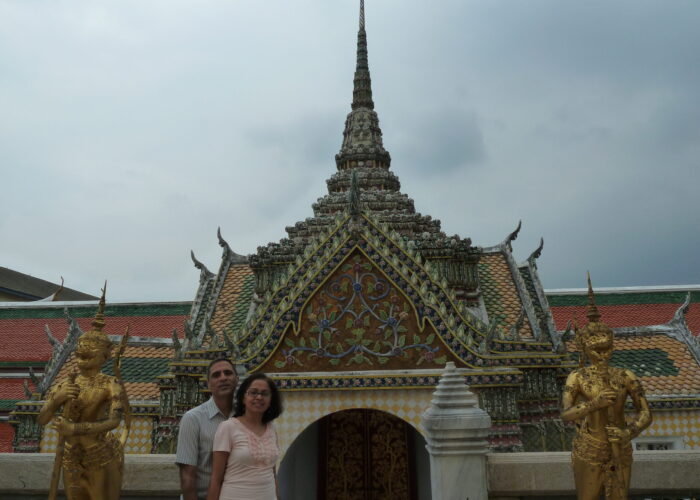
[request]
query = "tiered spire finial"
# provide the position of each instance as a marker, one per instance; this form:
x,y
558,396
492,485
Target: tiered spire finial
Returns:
x,y
362,14
593,314
99,322
362,137
362,91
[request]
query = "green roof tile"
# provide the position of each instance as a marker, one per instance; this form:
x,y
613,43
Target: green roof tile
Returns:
x,y
148,309
642,362
8,404
616,299
139,369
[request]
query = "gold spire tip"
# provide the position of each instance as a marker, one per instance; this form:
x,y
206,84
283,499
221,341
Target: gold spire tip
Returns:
x,y
362,14
593,314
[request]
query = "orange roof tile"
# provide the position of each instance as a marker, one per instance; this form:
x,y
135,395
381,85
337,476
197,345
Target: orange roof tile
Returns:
x,y
25,340
500,293
7,433
140,380
142,390
686,380
227,304
626,315
12,388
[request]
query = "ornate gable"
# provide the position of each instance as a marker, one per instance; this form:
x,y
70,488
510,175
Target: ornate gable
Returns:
x,y
307,297
358,318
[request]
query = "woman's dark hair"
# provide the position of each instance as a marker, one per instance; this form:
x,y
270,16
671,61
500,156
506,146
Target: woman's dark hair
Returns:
x,y
275,408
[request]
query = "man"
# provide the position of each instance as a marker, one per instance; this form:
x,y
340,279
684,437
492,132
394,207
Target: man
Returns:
x,y
198,426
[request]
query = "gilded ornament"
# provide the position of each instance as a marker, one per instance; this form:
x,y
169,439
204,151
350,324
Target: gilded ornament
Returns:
x,y
594,397
92,405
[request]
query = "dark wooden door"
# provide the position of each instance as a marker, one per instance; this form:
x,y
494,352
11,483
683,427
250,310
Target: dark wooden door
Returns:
x,y
366,455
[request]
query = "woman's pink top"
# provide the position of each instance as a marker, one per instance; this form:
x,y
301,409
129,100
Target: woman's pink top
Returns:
x,y
250,467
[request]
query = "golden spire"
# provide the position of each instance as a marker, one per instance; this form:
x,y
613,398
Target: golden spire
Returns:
x,y
99,322
95,337
593,314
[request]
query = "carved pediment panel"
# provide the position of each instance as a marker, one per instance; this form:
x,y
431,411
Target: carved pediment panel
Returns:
x,y
358,319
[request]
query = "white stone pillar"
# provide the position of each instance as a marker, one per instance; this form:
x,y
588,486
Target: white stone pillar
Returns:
x,y
456,430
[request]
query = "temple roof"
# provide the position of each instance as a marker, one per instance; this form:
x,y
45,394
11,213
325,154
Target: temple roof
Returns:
x,y
18,286
473,341
629,306
362,156
26,345
141,364
666,366
11,391
22,326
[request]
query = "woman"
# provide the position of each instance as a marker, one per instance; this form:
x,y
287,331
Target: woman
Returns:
x,y
245,446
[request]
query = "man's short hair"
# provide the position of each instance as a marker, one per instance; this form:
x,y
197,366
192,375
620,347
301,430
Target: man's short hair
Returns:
x,y
218,360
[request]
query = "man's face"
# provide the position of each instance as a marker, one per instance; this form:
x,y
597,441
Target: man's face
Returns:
x,y
222,379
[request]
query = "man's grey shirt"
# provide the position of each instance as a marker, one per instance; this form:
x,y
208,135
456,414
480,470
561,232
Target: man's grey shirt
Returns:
x,y
195,441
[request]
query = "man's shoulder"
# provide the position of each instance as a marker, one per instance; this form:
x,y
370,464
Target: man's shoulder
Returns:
x,y
197,410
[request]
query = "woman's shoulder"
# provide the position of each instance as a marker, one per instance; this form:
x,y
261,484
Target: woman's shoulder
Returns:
x,y
231,423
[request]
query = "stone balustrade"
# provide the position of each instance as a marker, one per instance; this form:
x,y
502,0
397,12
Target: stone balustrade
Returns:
x,y
511,476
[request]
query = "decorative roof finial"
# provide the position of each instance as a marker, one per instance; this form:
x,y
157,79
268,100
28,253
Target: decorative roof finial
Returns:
x,y
99,322
95,339
362,90
362,137
362,14
593,314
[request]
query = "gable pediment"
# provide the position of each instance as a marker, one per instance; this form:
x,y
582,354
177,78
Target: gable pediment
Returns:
x,y
322,315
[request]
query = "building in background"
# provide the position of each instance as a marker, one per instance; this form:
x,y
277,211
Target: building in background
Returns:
x,y
20,287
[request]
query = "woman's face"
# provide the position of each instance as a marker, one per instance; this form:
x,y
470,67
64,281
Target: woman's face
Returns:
x,y
257,397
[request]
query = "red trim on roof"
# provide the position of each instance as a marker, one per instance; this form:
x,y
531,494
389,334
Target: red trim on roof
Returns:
x,y
629,315
12,388
7,433
25,340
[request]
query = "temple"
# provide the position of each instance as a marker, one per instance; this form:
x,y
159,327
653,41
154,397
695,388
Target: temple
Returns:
x,y
355,314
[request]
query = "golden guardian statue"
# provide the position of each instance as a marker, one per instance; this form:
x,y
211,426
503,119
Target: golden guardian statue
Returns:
x,y
595,397
93,405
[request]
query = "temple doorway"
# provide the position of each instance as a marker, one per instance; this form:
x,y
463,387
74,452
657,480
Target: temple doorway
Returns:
x,y
357,454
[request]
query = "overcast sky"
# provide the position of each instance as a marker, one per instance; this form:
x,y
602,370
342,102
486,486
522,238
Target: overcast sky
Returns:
x,y
131,130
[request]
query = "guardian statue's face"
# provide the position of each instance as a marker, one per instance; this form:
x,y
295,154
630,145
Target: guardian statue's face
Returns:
x,y
599,342
91,355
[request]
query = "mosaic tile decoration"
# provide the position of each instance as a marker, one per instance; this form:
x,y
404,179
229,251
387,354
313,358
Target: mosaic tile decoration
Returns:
x,y
684,424
627,309
500,294
22,329
7,432
138,443
140,367
664,365
233,301
302,408
457,327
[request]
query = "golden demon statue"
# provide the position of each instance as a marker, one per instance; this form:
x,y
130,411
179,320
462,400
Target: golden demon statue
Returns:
x,y
595,397
93,403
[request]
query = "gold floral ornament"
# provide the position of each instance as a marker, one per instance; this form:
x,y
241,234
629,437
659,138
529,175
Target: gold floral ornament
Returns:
x,y
91,406
594,397
360,318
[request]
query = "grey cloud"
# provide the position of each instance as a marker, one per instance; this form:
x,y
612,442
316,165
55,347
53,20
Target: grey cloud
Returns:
x,y
130,131
435,141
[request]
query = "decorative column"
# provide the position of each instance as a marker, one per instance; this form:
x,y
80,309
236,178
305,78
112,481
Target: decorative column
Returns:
x,y
456,430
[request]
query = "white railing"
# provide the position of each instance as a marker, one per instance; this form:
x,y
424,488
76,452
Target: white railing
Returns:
x,y
671,474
